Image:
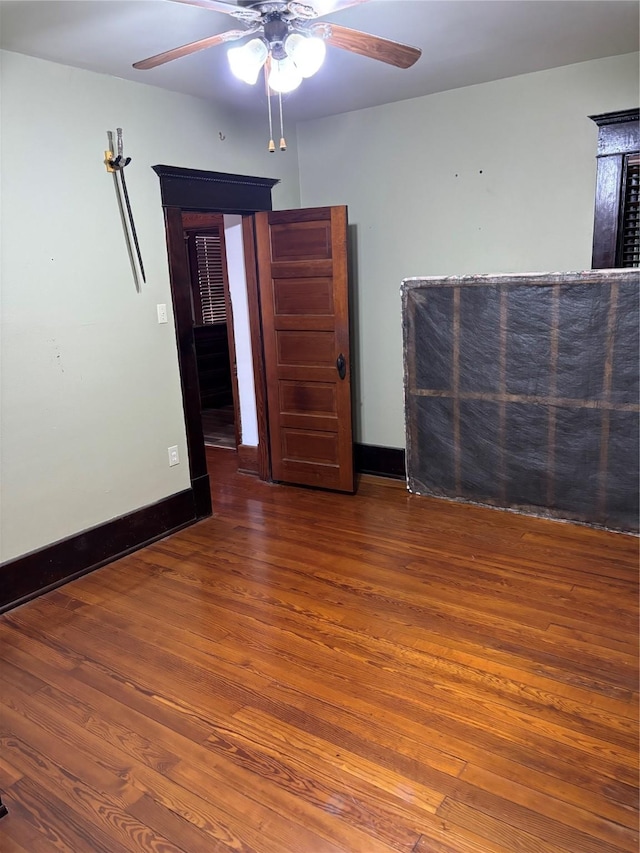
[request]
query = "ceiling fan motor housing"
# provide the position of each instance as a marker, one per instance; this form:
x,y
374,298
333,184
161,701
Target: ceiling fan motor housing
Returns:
x,y
275,32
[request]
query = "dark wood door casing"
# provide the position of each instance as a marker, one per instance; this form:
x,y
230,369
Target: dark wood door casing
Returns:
x,y
197,191
187,361
302,270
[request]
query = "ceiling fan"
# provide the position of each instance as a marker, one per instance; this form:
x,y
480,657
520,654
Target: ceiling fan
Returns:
x,y
289,42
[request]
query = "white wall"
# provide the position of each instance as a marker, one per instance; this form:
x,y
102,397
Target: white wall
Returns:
x,y
497,177
90,387
241,329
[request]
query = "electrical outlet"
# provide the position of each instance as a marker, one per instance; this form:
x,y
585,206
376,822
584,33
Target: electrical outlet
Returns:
x,y
174,459
162,313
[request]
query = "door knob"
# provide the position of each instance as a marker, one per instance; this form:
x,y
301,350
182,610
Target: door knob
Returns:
x,y
341,366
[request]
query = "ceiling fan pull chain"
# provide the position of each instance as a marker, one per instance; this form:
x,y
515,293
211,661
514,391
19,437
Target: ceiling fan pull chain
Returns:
x,y
283,141
272,145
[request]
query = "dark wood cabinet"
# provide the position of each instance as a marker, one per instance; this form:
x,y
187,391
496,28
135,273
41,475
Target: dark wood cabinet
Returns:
x,y
616,232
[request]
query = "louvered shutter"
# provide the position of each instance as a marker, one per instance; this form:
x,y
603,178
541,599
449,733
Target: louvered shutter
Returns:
x,y
210,281
630,218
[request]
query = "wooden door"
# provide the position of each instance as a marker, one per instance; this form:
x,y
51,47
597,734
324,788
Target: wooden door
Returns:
x,y
302,270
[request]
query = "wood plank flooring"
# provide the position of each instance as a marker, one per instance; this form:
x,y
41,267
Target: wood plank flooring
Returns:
x,y
218,427
318,673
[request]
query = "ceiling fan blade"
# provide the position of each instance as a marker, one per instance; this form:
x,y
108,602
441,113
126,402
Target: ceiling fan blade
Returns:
x,y
219,6
391,52
186,49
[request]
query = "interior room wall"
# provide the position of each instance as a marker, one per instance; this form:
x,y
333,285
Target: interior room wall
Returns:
x,y
498,177
90,386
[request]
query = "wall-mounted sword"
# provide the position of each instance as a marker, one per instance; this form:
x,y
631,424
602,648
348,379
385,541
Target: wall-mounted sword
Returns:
x,y
117,165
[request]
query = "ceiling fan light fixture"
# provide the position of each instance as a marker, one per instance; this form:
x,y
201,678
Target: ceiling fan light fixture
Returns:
x,y
246,61
308,52
284,76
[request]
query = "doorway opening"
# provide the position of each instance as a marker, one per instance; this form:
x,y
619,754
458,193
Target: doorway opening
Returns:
x,y
193,193
213,330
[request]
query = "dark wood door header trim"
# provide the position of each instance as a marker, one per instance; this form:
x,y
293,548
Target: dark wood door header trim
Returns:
x,y
617,117
214,177
218,192
617,132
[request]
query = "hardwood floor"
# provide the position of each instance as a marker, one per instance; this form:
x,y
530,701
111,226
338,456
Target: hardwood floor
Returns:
x,y
312,673
218,427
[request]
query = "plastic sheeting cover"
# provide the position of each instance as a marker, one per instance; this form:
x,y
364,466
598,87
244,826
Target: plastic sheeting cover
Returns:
x,y
522,391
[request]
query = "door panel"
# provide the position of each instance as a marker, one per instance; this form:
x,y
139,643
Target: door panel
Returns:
x,y
305,398
300,241
311,349
296,296
306,446
308,405
302,268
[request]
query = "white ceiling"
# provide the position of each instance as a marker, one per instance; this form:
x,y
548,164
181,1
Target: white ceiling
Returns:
x,y
463,42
